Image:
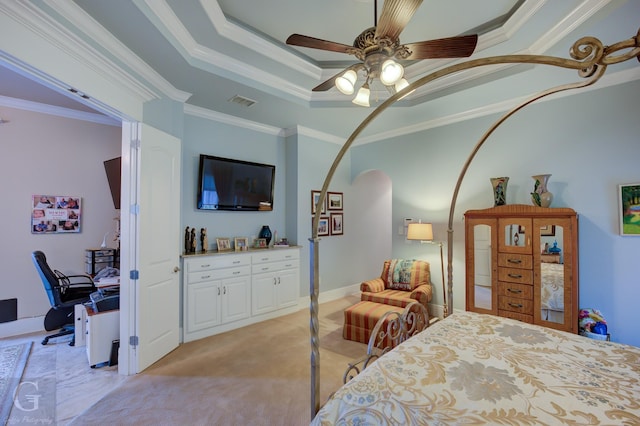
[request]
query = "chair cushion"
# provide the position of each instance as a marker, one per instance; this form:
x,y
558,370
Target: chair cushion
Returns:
x,y
405,274
391,297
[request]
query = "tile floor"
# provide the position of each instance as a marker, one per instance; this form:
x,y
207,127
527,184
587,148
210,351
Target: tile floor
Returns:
x,y
65,368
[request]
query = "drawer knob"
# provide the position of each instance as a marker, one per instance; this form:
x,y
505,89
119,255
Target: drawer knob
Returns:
x,y
516,261
515,275
513,290
515,305
236,261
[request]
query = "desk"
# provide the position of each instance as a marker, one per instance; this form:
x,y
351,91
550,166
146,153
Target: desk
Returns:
x,y
97,331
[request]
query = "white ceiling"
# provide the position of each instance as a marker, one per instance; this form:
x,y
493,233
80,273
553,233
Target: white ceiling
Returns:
x,y
205,52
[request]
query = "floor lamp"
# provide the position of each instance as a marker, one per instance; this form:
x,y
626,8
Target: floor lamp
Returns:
x,y
423,232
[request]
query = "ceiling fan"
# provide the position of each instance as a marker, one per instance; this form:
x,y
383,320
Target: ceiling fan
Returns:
x,y
379,47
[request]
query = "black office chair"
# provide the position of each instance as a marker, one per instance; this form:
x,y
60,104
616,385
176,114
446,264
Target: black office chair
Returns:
x,y
64,292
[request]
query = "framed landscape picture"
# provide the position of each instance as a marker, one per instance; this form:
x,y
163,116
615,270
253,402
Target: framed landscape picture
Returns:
x,y
334,200
629,209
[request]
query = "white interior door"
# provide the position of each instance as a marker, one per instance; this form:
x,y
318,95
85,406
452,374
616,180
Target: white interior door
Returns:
x,y
155,293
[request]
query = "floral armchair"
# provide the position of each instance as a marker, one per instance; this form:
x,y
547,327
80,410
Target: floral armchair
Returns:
x,y
401,282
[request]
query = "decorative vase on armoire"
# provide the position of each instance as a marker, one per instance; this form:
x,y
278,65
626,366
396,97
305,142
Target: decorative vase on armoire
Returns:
x,y
499,190
541,196
265,233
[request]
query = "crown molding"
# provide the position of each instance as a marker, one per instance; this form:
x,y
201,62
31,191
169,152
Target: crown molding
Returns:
x,y
208,114
57,111
44,27
105,67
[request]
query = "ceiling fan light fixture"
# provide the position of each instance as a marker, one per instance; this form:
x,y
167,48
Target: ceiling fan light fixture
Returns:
x,y
346,82
401,84
391,72
362,98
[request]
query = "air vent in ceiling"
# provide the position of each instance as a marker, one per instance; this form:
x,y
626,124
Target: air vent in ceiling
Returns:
x,y
240,100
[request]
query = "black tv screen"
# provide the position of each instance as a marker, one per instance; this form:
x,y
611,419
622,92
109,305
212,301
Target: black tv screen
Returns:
x,y
227,184
113,169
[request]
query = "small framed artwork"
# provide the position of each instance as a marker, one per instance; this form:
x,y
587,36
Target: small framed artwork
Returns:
x,y
315,196
334,200
261,243
241,244
323,226
224,244
629,209
548,231
336,224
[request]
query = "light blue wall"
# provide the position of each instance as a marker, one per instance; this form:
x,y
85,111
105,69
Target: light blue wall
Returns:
x,y
202,136
588,142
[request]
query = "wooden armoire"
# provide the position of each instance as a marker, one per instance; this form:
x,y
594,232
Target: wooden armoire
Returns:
x,y
522,263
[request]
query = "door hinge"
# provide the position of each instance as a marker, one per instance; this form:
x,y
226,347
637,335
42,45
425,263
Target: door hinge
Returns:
x,y
133,340
135,143
135,209
134,274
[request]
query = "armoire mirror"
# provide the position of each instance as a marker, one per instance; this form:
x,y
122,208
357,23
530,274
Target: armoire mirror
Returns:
x,y
552,273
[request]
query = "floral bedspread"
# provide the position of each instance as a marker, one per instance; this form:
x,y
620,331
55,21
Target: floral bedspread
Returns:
x,y
480,369
552,289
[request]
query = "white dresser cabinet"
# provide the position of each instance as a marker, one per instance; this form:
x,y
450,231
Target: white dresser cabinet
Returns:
x,y
276,278
224,291
217,291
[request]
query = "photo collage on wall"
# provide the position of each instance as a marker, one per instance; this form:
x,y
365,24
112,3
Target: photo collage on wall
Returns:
x,y
331,213
55,214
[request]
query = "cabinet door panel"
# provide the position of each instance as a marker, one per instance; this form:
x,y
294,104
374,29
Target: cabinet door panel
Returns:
x,y
263,293
236,299
514,235
203,305
287,286
481,238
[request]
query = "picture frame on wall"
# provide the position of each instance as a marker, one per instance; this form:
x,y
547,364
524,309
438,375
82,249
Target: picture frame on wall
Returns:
x,y
55,214
337,225
315,196
224,244
629,209
334,200
323,226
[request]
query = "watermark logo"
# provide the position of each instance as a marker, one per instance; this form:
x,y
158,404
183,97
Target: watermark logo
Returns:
x,y
34,403
29,397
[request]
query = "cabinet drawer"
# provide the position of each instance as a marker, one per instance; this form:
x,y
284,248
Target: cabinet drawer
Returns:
x,y
513,304
275,266
513,275
275,255
516,316
212,262
521,291
217,274
513,260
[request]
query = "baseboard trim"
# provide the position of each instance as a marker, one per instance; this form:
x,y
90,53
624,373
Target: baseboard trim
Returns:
x,y
22,326
331,295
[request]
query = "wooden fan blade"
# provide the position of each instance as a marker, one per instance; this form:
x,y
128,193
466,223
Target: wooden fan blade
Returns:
x,y
452,47
316,43
395,15
328,84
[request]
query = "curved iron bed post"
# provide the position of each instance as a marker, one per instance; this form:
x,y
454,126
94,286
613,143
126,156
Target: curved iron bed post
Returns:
x,y
591,60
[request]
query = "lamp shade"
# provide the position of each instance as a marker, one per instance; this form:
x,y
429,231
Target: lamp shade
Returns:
x,y
391,72
362,98
345,83
420,232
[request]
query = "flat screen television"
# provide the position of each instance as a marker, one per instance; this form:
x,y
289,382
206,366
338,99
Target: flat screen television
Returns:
x,y
227,184
113,169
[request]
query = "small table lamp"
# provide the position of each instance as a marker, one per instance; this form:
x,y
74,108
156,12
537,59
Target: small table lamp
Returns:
x,y
423,232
